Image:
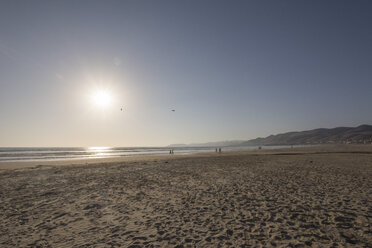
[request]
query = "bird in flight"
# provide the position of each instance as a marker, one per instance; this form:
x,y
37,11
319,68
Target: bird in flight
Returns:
x,y
173,110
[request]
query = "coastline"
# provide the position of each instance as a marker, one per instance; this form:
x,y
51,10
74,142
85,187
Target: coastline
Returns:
x,y
6,165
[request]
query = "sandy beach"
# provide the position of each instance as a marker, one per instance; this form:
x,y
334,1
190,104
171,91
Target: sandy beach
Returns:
x,y
305,197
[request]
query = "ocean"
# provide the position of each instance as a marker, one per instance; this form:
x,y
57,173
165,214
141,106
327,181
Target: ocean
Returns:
x,y
67,153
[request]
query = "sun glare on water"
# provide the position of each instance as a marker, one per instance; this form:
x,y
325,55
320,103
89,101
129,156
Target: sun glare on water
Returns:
x,y
101,98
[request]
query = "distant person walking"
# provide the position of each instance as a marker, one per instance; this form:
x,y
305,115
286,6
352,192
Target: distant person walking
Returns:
x,y
219,150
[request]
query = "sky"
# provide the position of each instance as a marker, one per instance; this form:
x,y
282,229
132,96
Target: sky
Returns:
x,y
231,70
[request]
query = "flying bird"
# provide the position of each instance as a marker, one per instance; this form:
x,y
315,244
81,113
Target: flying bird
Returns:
x,y
173,110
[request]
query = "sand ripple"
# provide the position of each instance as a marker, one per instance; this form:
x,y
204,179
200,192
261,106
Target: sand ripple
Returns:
x,y
319,200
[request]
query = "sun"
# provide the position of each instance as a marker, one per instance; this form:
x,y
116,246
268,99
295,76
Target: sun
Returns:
x,y
101,98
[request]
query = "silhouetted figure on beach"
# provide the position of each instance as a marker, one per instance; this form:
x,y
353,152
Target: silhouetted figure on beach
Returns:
x,y
219,150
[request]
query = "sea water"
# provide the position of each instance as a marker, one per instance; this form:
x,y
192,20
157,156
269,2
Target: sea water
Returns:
x,y
67,153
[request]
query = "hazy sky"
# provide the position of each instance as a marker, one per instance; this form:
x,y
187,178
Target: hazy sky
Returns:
x,y
230,69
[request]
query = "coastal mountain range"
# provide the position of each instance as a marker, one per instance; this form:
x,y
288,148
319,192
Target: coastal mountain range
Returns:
x,y
339,135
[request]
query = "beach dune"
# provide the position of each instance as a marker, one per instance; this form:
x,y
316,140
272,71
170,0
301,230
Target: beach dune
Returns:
x,y
305,197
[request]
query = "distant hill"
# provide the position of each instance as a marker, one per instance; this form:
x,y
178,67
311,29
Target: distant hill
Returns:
x,y
360,134
339,135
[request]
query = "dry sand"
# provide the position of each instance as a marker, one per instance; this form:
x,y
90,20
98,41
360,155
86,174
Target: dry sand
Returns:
x,y
307,197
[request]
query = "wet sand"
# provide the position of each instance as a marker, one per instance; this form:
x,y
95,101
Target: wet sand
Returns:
x,y
305,197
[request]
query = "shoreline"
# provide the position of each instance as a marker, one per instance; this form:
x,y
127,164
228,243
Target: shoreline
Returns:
x,y
367,148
